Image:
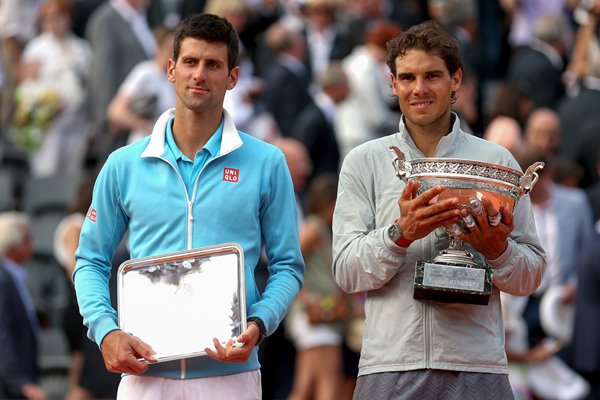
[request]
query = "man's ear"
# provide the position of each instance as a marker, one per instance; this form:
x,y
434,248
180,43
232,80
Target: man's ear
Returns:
x,y
393,82
457,80
233,78
171,70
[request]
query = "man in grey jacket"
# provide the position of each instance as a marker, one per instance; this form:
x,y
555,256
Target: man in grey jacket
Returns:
x,y
421,348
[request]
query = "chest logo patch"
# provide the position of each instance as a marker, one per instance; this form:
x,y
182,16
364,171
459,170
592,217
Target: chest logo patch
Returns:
x,y
91,214
231,175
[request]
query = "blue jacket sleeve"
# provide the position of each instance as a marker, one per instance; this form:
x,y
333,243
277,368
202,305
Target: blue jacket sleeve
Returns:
x,y
101,233
279,221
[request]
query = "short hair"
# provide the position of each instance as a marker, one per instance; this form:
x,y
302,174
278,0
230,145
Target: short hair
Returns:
x,y
526,156
211,28
322,191
430,37
64,7
280,37
381,32
332,75
12,230
550,28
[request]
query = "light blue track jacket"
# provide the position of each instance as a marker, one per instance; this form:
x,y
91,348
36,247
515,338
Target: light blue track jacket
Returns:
x,y
243,195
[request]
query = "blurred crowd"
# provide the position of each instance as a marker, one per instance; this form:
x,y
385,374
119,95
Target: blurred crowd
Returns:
x,y
80,78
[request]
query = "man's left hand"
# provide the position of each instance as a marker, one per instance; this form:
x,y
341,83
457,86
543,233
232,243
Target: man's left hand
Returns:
x,y
233,352
489,235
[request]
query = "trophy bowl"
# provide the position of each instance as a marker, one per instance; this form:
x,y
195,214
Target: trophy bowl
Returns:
x,y
454,275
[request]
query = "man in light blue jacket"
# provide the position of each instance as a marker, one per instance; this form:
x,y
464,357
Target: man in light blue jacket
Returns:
x,y
195,181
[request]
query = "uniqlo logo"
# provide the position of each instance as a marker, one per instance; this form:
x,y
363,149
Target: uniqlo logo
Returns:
x,y
91,214
231,175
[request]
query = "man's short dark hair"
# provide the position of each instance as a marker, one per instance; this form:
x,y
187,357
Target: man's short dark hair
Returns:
x,y
430,37
211,28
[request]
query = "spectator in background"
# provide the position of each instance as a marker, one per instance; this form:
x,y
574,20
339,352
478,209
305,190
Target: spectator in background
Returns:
x,y
315,125
287,80
510,100
369,111
246,109
542,131
19,327
585,343
326,39
506,132
58,62
18,25
522,15
277,353
358,16
467,106
318,319
538,66
575,112
66,240
563,219
87,377
461,19
300,166
121,38
564,224
145,93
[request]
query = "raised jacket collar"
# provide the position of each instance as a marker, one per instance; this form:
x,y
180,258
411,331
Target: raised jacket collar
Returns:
x,y
444,146
230,141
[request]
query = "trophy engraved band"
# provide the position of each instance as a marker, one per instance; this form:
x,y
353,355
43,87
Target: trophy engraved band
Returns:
x,y
454,275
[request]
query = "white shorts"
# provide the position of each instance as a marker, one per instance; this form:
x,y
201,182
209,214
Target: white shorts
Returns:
x,y
245,385
306,336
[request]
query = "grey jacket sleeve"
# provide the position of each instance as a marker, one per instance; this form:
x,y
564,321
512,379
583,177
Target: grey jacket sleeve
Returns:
x,y
362,260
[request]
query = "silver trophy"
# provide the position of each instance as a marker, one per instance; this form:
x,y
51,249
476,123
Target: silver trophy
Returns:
x,y
454,275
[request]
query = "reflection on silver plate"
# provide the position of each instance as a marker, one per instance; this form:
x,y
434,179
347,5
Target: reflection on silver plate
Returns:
x,y
179,302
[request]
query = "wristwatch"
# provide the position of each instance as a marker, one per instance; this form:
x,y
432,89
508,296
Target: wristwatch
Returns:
x,y
397,236
262,331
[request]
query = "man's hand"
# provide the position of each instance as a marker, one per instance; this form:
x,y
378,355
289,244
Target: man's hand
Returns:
x,y
232,352
32,391
491,229
122,352
418,216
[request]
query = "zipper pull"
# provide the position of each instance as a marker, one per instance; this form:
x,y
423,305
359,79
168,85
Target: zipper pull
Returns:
x,y
190,215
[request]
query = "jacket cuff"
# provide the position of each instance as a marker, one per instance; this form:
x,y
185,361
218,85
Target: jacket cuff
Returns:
x,y
500,260
391,246
101,328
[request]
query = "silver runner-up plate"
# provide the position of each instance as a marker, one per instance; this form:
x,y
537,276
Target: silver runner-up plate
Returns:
x,y
178,302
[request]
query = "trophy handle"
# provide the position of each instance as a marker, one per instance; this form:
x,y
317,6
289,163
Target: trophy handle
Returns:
x,y
529,178
401,166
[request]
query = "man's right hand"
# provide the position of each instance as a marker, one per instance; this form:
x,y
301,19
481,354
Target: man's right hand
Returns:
x,y
418,216
32,391
122,352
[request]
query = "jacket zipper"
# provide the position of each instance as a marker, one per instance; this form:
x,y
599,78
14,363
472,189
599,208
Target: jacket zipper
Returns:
x,y
190,218
190,221
427,319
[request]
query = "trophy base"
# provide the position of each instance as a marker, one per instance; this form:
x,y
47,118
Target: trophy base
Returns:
x,y
452,283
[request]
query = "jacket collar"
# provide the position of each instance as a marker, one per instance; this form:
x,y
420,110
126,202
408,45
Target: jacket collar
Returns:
x,y
445,144
230,141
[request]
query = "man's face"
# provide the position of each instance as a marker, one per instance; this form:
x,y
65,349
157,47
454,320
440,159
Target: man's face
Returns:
x,y
544,133
423,86
201,75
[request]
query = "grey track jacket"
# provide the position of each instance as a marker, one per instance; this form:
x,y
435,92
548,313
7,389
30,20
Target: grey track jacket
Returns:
x,y
402,333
